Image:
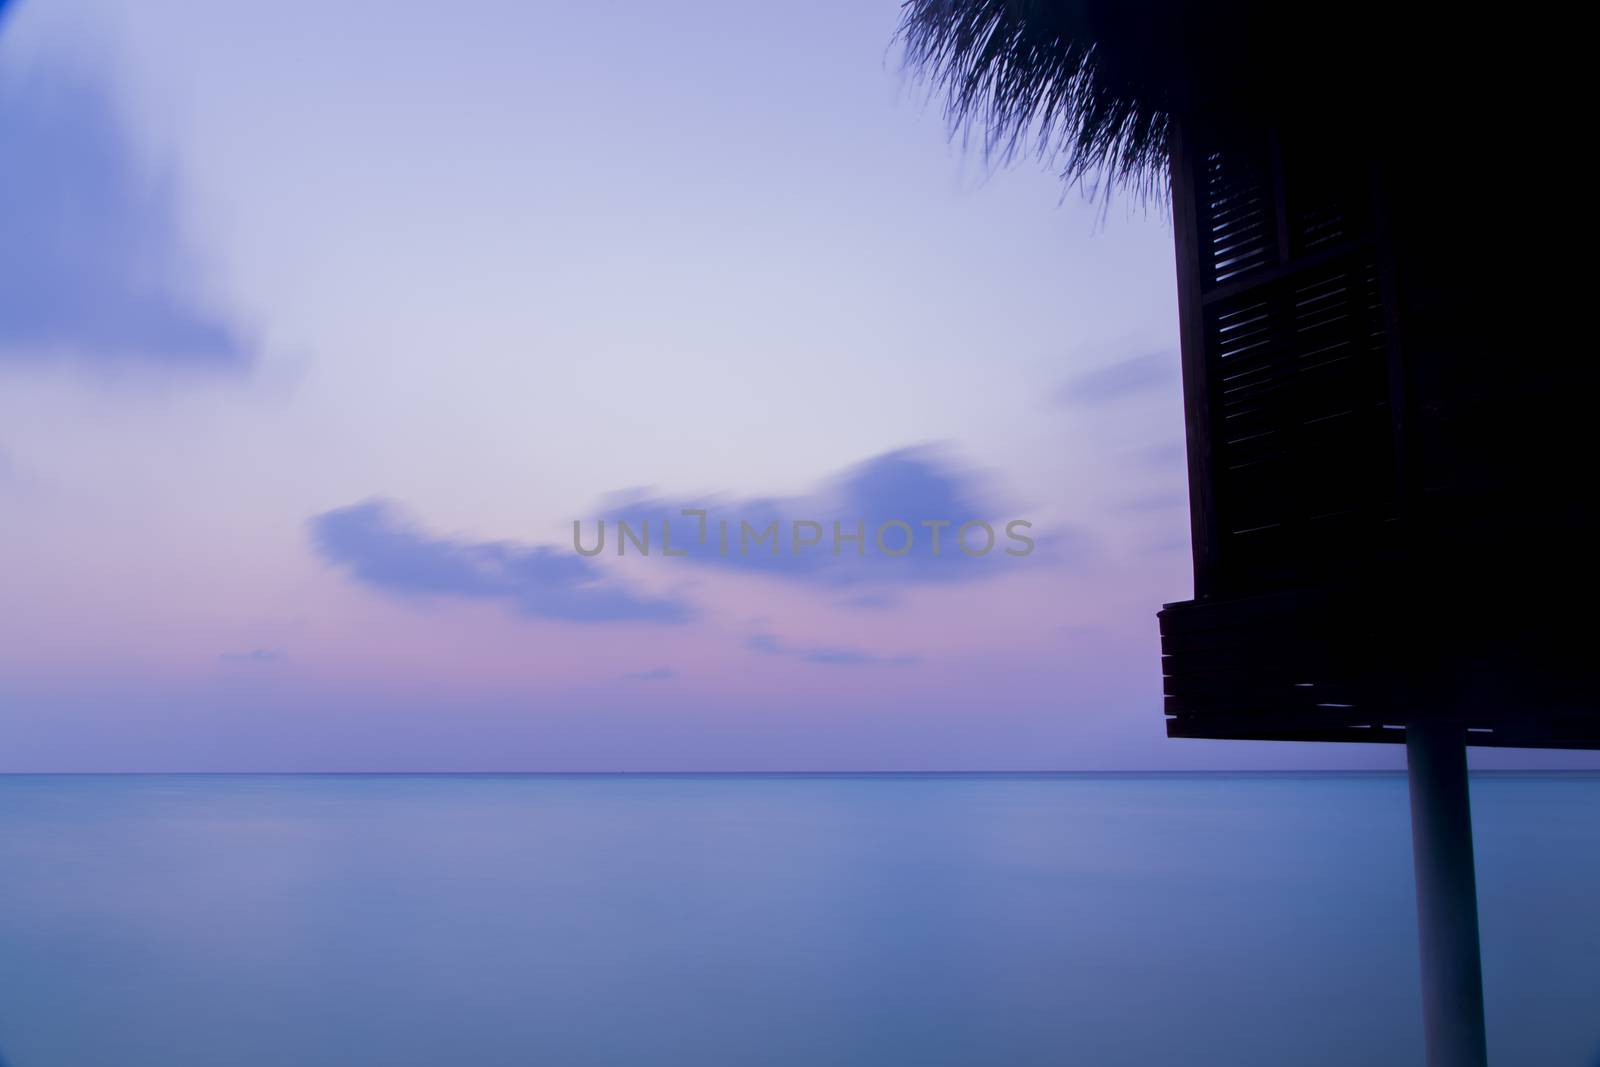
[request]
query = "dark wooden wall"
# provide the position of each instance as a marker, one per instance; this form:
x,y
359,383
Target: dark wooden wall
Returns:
x,y
1392,516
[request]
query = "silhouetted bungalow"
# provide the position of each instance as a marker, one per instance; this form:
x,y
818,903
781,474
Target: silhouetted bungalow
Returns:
x,y
1387,432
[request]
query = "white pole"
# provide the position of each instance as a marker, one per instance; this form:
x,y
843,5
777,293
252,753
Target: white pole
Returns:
x,y
1447,895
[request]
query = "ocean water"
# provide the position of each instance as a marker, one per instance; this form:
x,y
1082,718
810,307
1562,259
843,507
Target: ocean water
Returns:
x,y
837,921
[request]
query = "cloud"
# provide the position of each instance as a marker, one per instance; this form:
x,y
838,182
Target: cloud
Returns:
x,y
828,655
94,265
255,655
895,494
381,549
872,601
656,674
1116,381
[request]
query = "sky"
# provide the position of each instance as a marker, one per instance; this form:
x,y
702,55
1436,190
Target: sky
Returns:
x,y
320,326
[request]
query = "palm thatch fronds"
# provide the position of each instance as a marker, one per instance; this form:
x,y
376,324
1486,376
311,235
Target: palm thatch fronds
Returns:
x,y
1100,85
1036,76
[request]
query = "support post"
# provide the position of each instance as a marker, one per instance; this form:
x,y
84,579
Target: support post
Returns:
x,y
1447,895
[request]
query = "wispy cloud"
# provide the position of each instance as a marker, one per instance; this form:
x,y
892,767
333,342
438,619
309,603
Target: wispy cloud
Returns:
x,y
1115,381
911,486
255,655
875,601
95,265
655,674
828,655
382,549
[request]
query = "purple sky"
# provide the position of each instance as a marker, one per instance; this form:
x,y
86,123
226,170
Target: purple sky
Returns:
x,y
320,324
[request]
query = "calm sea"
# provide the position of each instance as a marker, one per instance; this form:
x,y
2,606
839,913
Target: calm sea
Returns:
x,y
836,921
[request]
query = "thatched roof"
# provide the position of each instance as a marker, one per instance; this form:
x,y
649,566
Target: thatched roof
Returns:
x,y
1096,84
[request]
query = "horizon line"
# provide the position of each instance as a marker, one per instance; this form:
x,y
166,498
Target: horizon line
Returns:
x,y
1080,773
